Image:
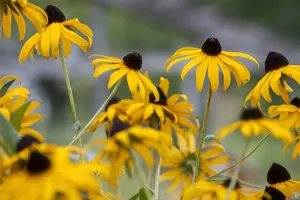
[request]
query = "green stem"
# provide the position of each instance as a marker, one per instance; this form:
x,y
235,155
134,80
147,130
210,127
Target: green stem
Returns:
x,y
141,175
97,113
244,158
235,176
70,92
157,176
202,134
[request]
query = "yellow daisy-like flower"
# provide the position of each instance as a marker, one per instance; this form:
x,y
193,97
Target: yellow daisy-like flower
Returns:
x,y
28,120
129,66
278,177
277,69
252,124
173,112
119,148
181,162
211,191
58,31
209,59
296,151
18,9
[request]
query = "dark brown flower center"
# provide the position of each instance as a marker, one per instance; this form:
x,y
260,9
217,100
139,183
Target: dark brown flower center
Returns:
x,y
112,101
54,14
133,61
251,113
162,98
212,47
25,142
37,163
277,174
274,61
296,102
273,194
227,182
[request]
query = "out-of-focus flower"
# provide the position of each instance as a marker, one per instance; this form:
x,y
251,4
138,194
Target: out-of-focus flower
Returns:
x,y
181,161
58,31
18,9
129,66
208,59
119,148
277,69
278,177
253,123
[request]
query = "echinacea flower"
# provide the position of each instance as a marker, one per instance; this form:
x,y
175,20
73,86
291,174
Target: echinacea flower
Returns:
x,y
253,123
212,191
208,60
130,67
119,148
278,177
18,9
180,162
58,31
172,112
277,69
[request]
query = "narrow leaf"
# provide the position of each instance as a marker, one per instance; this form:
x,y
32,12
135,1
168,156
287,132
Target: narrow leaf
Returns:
x,y
5,88
17,116
143,194
211,138
135,197
9,134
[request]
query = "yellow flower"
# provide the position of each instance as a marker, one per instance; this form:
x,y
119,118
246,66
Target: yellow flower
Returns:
x,y
277,68
48,171
28,120
18,9
269,193
58,31
129,66
296,151
208,59
173,112
278,177
211,191
288,113
119,148
181,161
252,124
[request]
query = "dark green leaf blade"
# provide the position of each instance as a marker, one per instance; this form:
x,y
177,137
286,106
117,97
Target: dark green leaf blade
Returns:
x,y
143,194
17,116
135,197
5,88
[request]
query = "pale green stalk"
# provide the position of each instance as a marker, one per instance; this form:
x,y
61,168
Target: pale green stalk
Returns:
x,y
202,135
70,92
235,176
97,113
244,158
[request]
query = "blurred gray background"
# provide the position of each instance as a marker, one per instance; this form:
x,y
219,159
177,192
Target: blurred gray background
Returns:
x,y
156,28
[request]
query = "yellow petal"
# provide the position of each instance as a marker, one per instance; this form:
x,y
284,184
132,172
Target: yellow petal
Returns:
x,y
201,73
213,75
132,81
20,23
164,85
6,23
226,74
242,55
195,61
55,38
46,42
228,129
150,85
116,76
28,47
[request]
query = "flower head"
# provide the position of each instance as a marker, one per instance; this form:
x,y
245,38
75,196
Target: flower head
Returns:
x,y
18,9
277,69
128,66
181,161
279,178
58,31
209,59
252,124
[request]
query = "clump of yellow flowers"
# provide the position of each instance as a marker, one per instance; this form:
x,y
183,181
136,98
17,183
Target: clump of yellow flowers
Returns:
x,y
152,126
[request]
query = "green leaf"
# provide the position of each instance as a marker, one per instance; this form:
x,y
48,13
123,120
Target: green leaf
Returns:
x,y
135,197
5,88
143,193
211,138
17,116
8,134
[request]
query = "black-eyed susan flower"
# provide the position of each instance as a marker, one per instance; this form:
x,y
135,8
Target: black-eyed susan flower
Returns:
x,y
18,9
277,69
278,177
119,148
253,123
173,112
180,162
208,60
45,171
58,31
212,191
129,66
